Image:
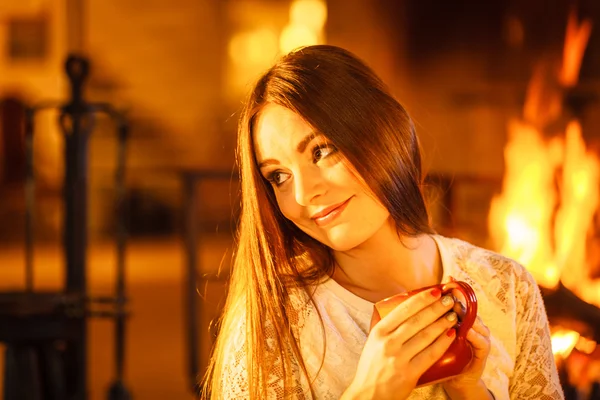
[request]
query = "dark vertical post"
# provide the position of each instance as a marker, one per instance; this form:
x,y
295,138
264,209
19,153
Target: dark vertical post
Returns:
x,y
121,237
76,121
191,237
29,199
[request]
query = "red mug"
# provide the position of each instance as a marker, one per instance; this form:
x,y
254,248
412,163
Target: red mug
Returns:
x,y
459,354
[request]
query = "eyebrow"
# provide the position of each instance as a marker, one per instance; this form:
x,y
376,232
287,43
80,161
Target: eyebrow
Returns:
x,y
304,142
300,148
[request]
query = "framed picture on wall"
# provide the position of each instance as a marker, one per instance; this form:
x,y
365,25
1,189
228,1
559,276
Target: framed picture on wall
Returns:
x,y
27,38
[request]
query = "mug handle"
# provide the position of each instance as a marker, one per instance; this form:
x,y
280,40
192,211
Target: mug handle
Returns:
x,y
471,306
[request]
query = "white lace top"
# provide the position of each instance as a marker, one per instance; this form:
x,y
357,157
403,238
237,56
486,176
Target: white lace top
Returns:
x,y
520,364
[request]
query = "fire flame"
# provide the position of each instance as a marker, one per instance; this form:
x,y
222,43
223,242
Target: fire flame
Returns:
x,y
576,39
520,219
551,186
563,342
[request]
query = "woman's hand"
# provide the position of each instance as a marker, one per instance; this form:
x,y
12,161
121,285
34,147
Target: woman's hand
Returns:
x,y
402,346
468,385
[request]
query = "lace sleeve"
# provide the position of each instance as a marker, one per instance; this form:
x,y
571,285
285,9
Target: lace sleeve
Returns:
x,y
535,375
234,377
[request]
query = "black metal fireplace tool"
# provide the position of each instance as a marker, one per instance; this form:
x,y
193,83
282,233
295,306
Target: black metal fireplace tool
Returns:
x,y
46,332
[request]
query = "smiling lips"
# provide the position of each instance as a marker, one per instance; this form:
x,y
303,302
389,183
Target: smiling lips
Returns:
x,y
330,213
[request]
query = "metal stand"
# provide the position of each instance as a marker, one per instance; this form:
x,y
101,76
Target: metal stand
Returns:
x,y
192,238
46,333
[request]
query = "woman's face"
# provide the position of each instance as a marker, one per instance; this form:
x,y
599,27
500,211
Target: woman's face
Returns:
x,y
313,186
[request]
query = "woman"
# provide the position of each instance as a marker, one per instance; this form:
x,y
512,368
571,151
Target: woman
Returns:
x,y
333,220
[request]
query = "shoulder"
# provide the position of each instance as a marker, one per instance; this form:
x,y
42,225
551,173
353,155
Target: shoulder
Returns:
x,y
503,286
484,264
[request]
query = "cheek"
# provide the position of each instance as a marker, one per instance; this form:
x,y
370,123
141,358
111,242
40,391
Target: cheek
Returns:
x,y
344,177
288,206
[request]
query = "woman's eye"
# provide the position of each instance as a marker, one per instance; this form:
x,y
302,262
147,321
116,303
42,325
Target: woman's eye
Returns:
x,y
323,151
277,178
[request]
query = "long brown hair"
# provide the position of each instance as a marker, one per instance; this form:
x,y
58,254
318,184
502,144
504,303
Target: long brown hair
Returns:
x,y
343,99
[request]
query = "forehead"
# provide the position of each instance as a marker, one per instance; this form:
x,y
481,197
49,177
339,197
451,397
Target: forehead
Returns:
x,y
278,130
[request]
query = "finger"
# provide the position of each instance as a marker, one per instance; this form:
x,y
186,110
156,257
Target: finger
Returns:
x,y
426,358
424,319
479,343
480,327
459,308
405,310
375,318
427,336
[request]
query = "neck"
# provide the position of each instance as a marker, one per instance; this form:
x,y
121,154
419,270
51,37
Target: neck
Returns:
x,y
386,265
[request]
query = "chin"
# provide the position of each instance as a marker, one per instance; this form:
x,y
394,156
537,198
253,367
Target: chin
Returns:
x,y
338,238
342,240
342,248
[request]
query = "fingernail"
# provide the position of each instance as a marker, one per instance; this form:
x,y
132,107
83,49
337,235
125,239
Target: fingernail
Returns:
x,y
436,292
451,332
447,300
451,316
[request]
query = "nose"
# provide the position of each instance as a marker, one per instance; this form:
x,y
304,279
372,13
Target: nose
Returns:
x,y
308,185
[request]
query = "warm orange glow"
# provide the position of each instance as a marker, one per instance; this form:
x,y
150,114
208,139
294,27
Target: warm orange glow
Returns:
x,y
576,40
296,35
306,25
250,52
563,342
551,186
579,202
585,345
310,13
255,47
544,230
257,42
520,219
543,104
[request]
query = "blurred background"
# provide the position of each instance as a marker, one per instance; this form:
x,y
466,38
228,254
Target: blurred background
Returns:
x,y
504,94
